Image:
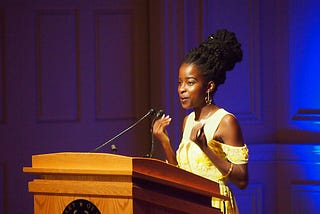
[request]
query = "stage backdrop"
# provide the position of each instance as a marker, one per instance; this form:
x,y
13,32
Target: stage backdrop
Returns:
x,y
73,74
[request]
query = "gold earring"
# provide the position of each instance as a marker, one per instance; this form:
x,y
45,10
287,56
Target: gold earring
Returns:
x,y
208,98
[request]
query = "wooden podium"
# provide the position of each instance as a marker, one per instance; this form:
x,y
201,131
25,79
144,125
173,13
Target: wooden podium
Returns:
x,y
113,184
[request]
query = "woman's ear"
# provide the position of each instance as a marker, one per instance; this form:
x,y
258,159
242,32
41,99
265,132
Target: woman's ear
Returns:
x,y
211,86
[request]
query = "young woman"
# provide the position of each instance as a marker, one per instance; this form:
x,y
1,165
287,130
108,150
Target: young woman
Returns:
x,y
212,145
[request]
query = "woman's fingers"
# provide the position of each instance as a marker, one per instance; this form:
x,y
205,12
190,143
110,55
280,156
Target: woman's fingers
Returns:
x,y
197,131
160,124
159,128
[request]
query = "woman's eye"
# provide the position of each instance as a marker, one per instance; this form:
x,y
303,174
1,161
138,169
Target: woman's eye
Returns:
x,y
190,83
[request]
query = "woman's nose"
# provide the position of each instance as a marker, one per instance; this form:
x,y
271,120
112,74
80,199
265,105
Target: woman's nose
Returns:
x,y
181,88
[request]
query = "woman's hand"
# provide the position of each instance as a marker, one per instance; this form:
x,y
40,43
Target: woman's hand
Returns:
x,y
160,132
159,128
197,135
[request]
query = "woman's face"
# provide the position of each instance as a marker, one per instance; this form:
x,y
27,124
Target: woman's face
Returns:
x,y
191,87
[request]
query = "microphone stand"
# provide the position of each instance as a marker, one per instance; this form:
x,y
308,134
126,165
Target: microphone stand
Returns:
x,y
150,112
158,115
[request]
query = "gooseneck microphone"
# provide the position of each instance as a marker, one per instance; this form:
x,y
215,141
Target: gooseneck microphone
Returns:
x,y
150,112
158,115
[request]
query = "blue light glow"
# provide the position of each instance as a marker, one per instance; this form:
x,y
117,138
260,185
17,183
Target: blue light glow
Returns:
x,y
313,126
304,62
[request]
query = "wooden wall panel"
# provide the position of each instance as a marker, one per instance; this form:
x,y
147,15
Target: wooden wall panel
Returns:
x,y
298,54
2,70
2,185
282,179
114,46
303,53
58,88
51,82
259,196
297,178
250,200
305,198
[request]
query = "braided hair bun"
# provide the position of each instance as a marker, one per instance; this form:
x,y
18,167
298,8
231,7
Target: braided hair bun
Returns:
x,y
216,55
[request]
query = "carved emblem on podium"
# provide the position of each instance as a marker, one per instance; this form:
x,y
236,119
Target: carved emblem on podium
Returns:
x,y
81,206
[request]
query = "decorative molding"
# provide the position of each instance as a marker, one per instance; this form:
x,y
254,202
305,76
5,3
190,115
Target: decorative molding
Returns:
x,y
125,71
286,153
305,198
3,94
303,68
307,115
250,200
289,174
2,185
57,113
298,153
254,37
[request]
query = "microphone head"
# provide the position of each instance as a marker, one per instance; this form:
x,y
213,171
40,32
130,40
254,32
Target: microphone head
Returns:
x,y
159,113
152,111
114,148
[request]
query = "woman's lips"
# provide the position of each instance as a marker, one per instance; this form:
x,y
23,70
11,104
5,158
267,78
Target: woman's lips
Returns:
x,y
183,99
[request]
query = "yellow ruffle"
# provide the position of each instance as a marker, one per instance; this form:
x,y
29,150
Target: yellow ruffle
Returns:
x,y
235,154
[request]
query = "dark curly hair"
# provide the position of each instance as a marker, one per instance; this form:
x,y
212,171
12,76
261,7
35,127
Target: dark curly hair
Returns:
x,y
216,55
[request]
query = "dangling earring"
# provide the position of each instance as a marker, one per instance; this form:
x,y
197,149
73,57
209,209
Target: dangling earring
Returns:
x,y
208,98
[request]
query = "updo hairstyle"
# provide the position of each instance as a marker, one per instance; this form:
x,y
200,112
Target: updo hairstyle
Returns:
x,y
215,56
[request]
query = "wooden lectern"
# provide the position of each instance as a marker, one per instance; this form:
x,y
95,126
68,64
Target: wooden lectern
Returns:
x,y
114,184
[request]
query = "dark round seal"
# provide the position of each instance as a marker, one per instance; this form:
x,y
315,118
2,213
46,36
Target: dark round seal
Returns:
x,y
81,206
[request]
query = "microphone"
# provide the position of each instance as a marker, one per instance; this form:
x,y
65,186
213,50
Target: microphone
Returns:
x,y
158,115
114,148
150,112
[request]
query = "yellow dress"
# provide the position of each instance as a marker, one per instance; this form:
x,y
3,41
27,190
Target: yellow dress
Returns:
x,y
191,158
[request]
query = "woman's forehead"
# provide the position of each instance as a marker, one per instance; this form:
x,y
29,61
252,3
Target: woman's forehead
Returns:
x,y
189,71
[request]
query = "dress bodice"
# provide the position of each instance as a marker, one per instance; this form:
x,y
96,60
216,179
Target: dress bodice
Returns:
x,y
191,158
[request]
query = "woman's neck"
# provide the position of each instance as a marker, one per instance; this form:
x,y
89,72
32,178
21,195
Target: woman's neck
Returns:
x,y
205,112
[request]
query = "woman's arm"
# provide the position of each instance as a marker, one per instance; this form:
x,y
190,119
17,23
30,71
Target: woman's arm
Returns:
x,y
160,132
228,132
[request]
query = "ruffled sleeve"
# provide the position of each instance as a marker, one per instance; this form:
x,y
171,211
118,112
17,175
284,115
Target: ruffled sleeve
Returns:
x,y
235,154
